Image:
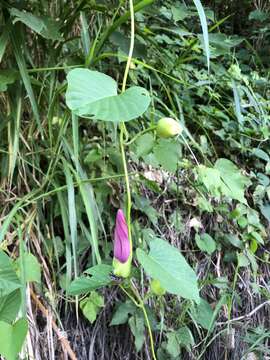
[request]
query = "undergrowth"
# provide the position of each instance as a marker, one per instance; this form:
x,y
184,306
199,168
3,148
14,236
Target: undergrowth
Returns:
x,y
64,174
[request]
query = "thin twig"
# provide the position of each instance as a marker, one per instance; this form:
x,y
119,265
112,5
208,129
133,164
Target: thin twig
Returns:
x,y
246,315
59,333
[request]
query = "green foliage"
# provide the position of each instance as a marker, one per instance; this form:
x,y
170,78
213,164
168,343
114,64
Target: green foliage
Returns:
x,y
122,313
166,264
100,277
206,191
45,26
205,243
224,179
94,95
12,338
91,306
10,306
136,324
9,281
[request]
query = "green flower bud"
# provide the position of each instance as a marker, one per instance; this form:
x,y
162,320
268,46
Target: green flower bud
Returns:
x,y
168,127
156,288
122,269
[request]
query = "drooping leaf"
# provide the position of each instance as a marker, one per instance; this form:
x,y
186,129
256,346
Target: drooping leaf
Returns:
x,y
44,26
9,306
100,277
9,281
136,324
12,338
185,337
265,210
167,153
144,144
94,95
7,77
166,264
32,271
203,314
122,312
205,243
92,305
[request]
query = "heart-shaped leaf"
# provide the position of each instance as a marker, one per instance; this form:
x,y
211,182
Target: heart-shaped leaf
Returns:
x,y
166,264
12,338
93,95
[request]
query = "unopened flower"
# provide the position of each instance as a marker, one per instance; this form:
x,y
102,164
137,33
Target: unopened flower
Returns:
x,y
168,127
122,253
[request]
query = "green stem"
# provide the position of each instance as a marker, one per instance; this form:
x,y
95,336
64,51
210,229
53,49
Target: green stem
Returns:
x,y
123,131
122,125
152,128
141,305
149,331
119,22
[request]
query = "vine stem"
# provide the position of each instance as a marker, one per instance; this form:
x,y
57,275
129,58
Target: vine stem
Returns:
x,y
122,125
123,131
140,304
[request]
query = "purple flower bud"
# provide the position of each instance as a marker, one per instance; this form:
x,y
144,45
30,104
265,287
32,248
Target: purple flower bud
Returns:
x,y
121,249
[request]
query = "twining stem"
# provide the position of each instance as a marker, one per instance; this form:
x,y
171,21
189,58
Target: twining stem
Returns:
x,y
151,128
122,125
140,302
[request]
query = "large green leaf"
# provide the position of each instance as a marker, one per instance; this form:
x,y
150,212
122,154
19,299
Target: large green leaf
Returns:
x,y
44,26
93,95
12,338
166,264
100,277
9,281
9,306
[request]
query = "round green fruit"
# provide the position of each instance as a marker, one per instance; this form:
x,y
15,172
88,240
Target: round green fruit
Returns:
x,y
168,127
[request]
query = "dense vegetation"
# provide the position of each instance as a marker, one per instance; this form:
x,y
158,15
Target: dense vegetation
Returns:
x,y
77,145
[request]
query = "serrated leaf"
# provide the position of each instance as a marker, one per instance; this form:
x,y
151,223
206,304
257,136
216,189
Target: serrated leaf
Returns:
x,y
9,281
100,277
12,338
234,183
166,264
93,94
224,179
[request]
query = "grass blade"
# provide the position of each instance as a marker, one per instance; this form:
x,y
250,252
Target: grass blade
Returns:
x,y
203,21
24,74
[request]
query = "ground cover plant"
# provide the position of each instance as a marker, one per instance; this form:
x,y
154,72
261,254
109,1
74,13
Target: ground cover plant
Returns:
x,y
135,190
